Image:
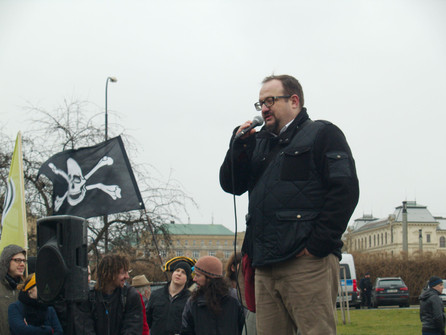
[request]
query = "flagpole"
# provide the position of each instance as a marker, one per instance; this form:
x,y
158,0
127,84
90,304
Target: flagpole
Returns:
x,y
113,80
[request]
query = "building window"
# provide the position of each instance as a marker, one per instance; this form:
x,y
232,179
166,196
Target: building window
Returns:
x,y
163,253
196,254
202,243
226,243
210,243
442,242
218,243
185,242
193,243
227,254
212,253
179,253
178,243
386,237
370,241
382,239
428,238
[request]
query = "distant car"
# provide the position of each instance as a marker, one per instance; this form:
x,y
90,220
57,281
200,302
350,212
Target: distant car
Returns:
x,y
389,291
442,295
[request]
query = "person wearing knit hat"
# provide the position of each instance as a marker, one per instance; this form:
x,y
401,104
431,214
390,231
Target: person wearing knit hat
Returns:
x,y
211,309
166,304
29,316
12,266
431,308
186,267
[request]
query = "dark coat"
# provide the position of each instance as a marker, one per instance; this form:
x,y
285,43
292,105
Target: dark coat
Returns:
x,y
431,311
302,189
17,325
119,314
198,319
164,314
366,285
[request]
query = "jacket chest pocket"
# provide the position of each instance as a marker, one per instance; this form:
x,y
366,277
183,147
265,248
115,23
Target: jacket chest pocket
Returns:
x,y
295,164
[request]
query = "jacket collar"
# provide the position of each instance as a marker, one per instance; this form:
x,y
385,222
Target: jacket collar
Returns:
x,y
297,123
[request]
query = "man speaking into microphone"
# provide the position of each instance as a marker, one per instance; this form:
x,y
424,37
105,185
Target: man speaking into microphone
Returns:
x,y
303,188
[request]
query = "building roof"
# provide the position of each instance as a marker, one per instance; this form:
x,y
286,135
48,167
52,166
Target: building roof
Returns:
x,y
197,229
373,224
415,213
442,221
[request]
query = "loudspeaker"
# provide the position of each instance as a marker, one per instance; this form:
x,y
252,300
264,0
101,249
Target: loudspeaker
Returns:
x,y
61,267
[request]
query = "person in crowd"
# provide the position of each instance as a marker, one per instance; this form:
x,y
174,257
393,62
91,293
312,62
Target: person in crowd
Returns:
x,y
167,303
303,188
211,309
431,308
12,267
113,307
365,285
142,285
235,275
29,316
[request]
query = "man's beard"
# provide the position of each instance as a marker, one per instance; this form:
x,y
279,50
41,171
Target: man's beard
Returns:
x,y
273,127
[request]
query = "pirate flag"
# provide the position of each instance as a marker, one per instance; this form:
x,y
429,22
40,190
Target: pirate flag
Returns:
x,y
93,181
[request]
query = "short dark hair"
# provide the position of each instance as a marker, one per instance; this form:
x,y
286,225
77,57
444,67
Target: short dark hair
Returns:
x,y
290,86
109,268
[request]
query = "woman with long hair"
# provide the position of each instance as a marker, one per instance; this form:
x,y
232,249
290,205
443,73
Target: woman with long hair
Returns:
x,y
28,316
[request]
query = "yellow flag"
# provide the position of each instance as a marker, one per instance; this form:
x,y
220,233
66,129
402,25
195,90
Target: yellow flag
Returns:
x,y
14,225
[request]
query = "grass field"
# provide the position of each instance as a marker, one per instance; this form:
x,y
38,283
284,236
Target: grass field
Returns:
x,y
381,322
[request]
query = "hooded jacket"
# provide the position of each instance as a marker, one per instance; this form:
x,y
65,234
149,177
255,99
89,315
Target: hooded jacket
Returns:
x,y
431,311
8,293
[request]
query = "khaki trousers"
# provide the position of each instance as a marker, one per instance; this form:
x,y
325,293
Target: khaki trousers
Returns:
x,y
297,295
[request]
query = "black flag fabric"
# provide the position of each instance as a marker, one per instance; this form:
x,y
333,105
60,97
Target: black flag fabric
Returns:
x,y
93,181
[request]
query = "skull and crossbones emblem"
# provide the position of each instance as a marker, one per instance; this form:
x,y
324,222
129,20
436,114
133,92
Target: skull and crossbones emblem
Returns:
x,y
77,182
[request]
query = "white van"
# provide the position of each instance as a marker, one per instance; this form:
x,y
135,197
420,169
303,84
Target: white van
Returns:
x,y
349,282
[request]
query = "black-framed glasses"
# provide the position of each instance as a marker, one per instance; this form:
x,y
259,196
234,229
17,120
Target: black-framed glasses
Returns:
x,y
19,260
268,102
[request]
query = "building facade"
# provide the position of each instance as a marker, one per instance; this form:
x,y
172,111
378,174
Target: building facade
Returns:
x,y
425,233
197,240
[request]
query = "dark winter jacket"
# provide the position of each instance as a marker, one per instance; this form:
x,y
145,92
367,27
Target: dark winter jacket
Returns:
x,y
163,313
365,285
17,315
118,314
431,311
8,292
302,189
198,319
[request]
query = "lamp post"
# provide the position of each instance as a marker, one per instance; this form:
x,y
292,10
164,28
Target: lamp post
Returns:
x,y
113,80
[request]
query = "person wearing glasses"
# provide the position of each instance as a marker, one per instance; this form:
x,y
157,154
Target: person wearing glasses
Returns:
x,y
12,267
302,185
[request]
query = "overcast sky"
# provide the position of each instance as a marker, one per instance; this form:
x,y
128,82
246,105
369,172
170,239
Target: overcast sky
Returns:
x,y
189,72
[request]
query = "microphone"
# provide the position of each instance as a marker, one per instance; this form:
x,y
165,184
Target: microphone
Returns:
x,y
256,121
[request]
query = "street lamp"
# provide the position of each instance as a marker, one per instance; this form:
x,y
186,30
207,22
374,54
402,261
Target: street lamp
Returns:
x,y
113,80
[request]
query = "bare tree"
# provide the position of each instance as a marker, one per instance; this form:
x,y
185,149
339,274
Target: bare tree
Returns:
x,y
68,127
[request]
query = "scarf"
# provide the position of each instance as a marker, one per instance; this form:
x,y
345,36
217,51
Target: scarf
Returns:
x,y
13,282
35,311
